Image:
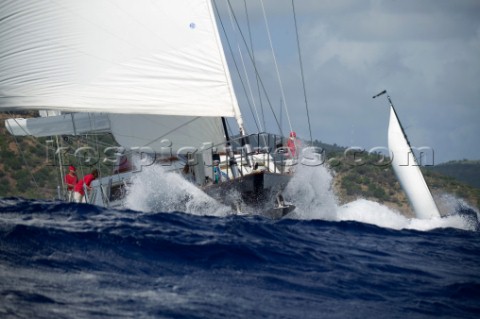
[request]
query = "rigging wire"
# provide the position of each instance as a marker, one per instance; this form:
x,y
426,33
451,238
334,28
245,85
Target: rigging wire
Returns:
x,y
302,73
276,65
61,166
254,66
262,121
235,62
246,76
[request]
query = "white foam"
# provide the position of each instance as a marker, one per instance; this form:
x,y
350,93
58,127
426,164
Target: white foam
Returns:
x,y
156,190
311,192
366,211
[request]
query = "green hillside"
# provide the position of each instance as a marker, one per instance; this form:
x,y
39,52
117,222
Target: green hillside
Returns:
x,y
464,170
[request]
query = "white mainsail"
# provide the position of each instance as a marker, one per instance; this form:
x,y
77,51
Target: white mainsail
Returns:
x,y
135,57
156,70
408,172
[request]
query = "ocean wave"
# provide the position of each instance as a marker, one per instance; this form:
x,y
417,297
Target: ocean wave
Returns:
x,y
77,260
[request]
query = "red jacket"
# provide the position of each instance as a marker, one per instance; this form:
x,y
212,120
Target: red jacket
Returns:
x,y
87,180
71,181
293,145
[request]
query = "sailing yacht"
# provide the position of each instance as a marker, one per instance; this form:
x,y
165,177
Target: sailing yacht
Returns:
x,y
151,73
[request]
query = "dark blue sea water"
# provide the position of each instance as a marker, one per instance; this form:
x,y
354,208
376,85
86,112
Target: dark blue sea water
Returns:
x,y
62,260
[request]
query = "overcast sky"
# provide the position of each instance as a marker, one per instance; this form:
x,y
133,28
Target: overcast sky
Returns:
x,y
426,53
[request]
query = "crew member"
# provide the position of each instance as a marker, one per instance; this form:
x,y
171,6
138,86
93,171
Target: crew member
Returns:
x,y
293,144
79,191
71,180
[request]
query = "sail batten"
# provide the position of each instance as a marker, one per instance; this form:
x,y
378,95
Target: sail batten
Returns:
x,y
125,57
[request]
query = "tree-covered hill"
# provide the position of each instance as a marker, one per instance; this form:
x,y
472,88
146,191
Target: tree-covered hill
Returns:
x,y
464,170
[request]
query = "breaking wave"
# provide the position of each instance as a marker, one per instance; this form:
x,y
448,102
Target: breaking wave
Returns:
x,y
156,189
310,190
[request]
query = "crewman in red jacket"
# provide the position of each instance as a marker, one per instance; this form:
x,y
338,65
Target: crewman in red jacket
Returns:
x,y
71,180
79,191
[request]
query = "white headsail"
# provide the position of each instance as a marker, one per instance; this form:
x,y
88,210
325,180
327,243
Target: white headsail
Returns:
x,y
408,172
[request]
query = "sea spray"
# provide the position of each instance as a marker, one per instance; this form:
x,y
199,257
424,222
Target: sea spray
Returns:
x,y
310,190
370,212
449,203
155,189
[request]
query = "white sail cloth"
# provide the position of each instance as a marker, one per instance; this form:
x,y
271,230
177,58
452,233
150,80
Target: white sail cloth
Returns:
x,y
137,57
65,124
167,133
156,132
408,172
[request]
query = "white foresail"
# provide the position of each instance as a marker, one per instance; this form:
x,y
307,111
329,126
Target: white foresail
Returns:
x,y
408,172
159,57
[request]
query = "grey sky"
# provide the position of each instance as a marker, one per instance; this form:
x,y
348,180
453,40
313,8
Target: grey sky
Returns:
x,y
426,53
